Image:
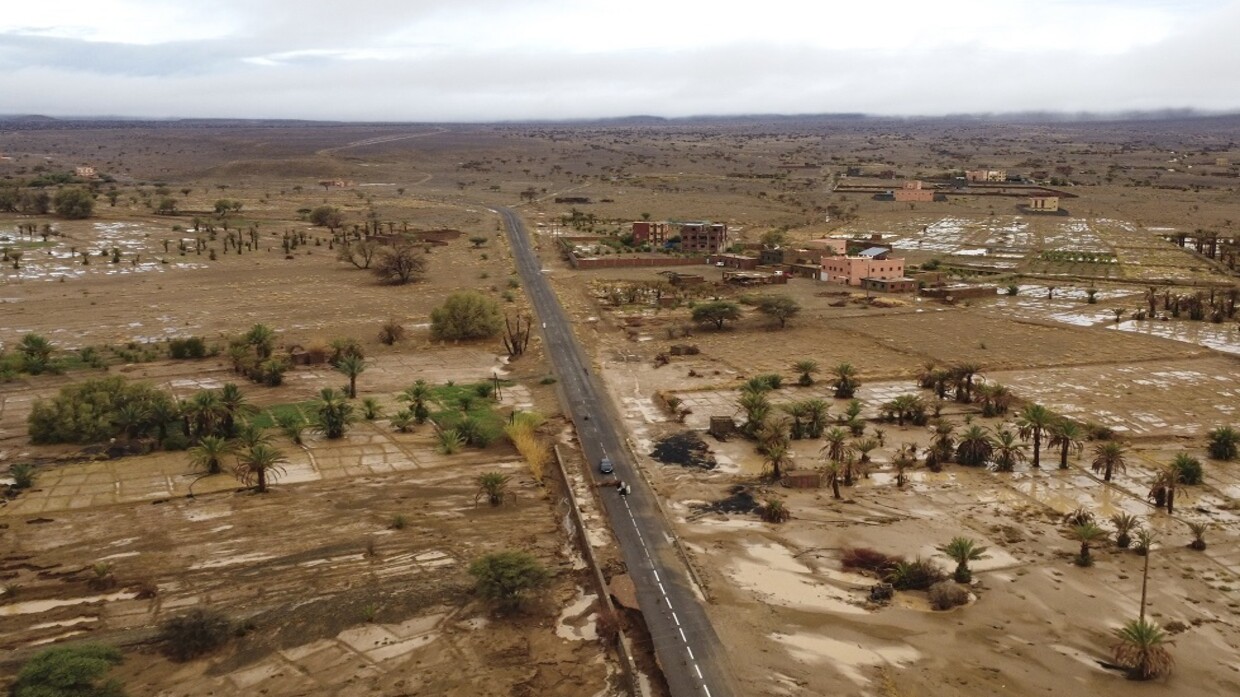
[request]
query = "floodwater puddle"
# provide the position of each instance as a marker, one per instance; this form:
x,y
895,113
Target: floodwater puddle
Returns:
x,y
773,573
31,607
577,621
849,658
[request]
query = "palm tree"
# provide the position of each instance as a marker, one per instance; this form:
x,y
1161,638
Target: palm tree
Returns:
x,y
263,339
816,415
1188,468
402,421
995,398
1034,419
798,413
836,442
234,406
1087,534
259,465
925,376
1141,649
833,472
846,382
807,369
756,407
904,459
333,414
164,412
494,485
777,457
205,412
1199,535
1125,523
1008,451
208,455
962,376
1224,443
417,395
251,434
352,366
963,550
291,424
1164,487
36,353
1067,435
942,446
371,409
131,419
975,447
1108,457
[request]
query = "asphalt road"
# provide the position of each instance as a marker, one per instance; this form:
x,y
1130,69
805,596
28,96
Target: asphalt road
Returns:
x,y
686,644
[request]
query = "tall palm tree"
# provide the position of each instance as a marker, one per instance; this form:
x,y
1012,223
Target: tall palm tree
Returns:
x,y
963,550
164,412
493,485
834,473
975,447
351,366
836,443
1087,534
1033,421
1108,457
1068,436
234,407
259,465
994,398
1008,451
208,455
1142,650
333,414
806,369
846,381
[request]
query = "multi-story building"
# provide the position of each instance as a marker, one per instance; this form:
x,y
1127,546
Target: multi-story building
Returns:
x,y
648,232
706,238
874,263
986,175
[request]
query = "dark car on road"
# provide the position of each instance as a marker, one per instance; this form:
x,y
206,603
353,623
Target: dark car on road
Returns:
x,y
605,466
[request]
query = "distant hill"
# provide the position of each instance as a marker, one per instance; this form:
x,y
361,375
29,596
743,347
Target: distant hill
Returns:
x,y
27,118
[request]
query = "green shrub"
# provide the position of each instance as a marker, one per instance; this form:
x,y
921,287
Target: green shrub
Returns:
x,y
918,575
190,347
1188,469
175,441
95,411
508,577
464,316
69,671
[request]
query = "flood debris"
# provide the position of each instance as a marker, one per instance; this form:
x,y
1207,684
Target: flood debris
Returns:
x,y
686,449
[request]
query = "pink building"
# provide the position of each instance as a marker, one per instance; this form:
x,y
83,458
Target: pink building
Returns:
x,y
914,191
871,263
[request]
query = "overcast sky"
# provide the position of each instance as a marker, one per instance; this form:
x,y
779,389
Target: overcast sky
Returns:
x,y
457,60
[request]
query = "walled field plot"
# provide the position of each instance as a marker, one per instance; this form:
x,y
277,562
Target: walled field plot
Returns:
x,y
1068,305
340,601
1220,337
954,337
1154,398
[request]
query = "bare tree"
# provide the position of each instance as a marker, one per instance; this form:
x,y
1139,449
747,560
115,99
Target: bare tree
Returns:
x,y
399,264
517,335
359,254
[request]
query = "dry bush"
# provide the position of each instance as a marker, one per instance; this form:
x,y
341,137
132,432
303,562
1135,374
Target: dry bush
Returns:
x,y
524,437
867,559
317,351
946,595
